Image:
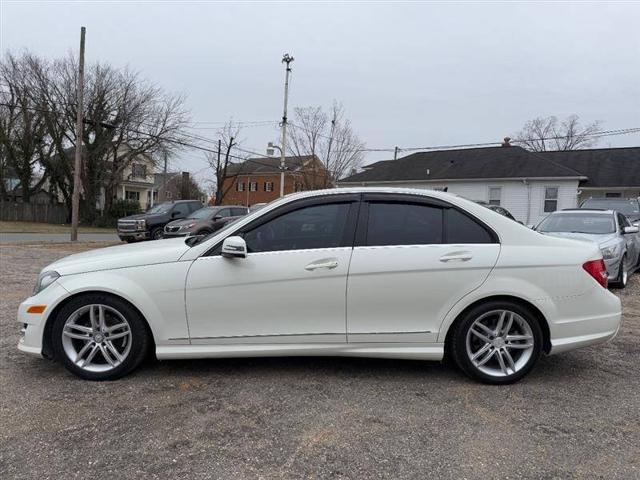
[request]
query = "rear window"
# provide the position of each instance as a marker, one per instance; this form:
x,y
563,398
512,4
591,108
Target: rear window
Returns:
x,y
593,223
628,207
461,228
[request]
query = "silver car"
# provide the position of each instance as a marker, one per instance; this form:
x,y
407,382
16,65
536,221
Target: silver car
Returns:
x,y
618,240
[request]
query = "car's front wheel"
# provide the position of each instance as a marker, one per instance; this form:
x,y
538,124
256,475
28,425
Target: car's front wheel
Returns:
x,y
157,233
497,342
623,274
99,337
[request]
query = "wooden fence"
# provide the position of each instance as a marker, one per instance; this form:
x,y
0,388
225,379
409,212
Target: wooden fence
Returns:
x,y
33,212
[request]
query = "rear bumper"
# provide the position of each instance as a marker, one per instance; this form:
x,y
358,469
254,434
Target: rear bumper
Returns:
x,y
573,329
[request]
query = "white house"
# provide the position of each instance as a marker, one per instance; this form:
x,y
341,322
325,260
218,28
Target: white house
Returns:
x,y
530,186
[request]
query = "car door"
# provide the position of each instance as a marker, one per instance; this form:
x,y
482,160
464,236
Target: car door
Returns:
x,y
413,259
632,240
291,286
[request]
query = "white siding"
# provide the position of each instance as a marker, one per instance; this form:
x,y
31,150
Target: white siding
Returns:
x,y
586,193
524,201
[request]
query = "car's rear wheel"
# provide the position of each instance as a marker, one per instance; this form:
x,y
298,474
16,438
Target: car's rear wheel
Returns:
x,y
497,342
623,274
99,337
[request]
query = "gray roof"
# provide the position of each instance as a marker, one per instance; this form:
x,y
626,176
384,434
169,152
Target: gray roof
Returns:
x,y
267,164
465,164
603,167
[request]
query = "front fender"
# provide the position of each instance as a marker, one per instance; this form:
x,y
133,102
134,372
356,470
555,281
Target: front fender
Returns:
x,y
156,290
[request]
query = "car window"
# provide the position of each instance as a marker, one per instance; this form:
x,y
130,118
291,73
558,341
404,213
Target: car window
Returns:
x,y
318,226
179,210
461,228
238,211
593,223
403,224
224,212
195,206
623,221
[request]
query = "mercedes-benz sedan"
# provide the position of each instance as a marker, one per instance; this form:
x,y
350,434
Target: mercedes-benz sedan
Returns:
x,y
378,272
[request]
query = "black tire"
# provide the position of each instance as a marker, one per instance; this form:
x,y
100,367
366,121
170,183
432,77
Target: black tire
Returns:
x,y
622,279
140,336
157,233
458,341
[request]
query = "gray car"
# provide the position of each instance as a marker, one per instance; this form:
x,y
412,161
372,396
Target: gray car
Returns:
x,y
204,221
618,240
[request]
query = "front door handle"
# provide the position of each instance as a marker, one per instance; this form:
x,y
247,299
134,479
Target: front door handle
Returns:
x,y
327,263
456,257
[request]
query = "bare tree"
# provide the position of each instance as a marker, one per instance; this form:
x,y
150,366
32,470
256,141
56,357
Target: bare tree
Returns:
x,y
125,117
329,138
22,127
547,133
221,162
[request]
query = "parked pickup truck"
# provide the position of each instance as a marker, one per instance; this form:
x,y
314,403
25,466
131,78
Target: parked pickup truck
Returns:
x,y
150,225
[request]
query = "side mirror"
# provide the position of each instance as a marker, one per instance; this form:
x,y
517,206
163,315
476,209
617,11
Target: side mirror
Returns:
x,y
234,247
633,229
217,217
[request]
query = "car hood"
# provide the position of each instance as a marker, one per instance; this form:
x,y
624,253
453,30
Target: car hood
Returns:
x,y
121,256
142,216
587,237
184,221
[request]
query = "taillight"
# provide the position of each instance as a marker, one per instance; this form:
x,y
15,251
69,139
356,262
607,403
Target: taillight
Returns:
x,y
598,270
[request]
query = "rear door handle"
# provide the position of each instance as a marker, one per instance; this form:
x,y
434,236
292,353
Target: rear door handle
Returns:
x,y
456,257
328,263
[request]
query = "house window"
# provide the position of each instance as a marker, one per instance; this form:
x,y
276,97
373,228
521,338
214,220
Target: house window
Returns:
x,y
297,187
495,194
240,187
131,195
550,199
613,195
138,170
253,186
268,186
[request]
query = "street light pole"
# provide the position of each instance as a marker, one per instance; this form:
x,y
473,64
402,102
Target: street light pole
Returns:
x,y
75,197
283,145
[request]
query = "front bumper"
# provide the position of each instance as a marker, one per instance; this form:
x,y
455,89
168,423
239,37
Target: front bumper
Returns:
x,y
133,235
174,234
33,323
613,267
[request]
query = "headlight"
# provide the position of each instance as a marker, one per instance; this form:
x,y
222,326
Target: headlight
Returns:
x,y
141,224
185,227
609,252
44,280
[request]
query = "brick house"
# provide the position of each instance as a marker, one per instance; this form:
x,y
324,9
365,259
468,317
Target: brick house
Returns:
x,y
257,180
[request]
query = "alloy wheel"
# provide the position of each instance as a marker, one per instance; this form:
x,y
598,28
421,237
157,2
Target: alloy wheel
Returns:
x,y
499,343
96,338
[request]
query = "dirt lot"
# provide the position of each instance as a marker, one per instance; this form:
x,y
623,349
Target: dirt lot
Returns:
x,y
576,416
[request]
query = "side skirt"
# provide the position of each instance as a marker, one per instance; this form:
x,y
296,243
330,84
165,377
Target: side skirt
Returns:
x,y
407,351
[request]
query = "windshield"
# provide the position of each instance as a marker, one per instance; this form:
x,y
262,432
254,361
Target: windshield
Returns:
x,y
160,208
627,207
205,212
594,223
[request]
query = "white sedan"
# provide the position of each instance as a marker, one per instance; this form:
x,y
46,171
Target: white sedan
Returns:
x,y
371,272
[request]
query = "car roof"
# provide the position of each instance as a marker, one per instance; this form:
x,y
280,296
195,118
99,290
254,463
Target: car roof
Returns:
x,y
585,210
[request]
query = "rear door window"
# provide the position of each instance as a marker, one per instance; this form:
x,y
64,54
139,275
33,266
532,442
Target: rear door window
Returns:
x,y
397,223
461,228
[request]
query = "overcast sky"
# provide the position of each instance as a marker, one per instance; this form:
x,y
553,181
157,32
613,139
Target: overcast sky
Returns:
x,y
408,74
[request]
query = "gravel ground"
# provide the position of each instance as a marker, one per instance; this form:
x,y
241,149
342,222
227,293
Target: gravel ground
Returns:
x,y
576,416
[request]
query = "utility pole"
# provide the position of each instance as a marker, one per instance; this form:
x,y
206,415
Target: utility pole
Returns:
x,y
75,198
395,153
219,175
163,197
285,59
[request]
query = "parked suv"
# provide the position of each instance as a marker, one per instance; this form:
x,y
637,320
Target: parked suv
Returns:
x,y
204,221
150,225
629,207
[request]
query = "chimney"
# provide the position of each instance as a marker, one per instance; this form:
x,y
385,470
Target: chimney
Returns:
x,y
506,142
